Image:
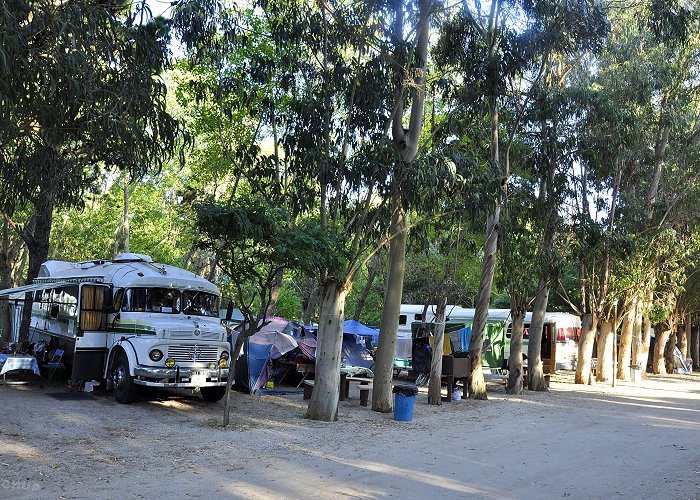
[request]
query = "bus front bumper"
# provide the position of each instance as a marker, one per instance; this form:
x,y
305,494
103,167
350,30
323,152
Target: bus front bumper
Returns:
x,y
180,377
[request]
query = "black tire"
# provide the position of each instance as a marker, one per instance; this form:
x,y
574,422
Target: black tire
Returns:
x,y
125,391
213,394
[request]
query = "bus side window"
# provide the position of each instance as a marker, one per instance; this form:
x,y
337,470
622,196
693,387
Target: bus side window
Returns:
x,y
118,299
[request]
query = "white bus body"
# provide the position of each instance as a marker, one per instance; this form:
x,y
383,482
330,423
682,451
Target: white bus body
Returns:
x,y
129,322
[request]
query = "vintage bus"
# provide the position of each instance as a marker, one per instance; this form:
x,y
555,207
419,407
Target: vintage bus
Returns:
x,y
128,322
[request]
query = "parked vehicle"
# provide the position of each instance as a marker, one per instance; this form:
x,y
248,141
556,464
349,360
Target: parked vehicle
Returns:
x,y
559,336
128,322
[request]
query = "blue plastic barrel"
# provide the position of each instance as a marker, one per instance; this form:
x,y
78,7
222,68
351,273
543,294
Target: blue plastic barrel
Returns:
x,y
404,402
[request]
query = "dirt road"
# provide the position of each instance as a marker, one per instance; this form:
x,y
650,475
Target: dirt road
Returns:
x,y
633,441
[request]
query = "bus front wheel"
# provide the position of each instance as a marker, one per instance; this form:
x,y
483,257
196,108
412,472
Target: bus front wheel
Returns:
x,y
125,391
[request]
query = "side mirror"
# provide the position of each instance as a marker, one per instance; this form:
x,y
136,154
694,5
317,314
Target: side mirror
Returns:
x,y
229,310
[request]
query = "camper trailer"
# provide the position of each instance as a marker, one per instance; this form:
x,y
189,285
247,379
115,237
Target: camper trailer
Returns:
x,y
128,322
559,336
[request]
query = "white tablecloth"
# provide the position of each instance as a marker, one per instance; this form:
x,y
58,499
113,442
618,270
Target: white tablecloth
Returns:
x,y
10,363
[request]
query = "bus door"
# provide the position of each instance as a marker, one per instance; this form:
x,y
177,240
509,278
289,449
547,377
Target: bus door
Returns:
x,y
91,335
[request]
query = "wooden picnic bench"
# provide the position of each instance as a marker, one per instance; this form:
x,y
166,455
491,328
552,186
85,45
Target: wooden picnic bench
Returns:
x,y
365,385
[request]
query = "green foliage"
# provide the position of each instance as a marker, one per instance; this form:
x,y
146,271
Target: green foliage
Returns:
x,y
68,110
253,240
158,226
289,303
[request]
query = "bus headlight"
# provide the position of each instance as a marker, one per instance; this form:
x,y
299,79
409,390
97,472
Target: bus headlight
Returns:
x,y
155,355
170,362
224,355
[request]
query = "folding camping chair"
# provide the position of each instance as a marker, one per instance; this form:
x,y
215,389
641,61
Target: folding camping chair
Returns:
x,y
55,363
305,368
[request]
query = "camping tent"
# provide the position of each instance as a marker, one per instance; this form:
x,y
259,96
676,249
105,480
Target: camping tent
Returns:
x,y
270,342
354,352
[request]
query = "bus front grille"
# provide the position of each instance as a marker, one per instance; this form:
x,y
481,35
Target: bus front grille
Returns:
x,y
191,353
190,334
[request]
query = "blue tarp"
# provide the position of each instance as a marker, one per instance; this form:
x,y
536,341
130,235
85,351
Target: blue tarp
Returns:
x,y
465,335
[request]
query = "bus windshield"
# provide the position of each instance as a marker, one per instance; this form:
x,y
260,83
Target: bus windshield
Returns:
x,y
159,300
200,304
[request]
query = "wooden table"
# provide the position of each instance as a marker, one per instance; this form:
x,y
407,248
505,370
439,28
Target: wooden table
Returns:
x,y
365,387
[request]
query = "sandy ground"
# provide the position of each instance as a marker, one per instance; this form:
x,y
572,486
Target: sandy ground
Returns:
x,y
632,441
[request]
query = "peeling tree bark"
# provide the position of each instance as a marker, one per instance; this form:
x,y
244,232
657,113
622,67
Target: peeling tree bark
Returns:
x,y
536,380
389,324
435,386
324,400
605,352
626,334
478,386
589,325
515,359
662,337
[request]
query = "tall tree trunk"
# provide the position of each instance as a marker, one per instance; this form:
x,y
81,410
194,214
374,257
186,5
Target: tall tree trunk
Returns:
x,y
695,347
589,326
125,216
372,271
662,337
643,350
406,142
37,242
435,386
5,281
324,400
605,352
684,337
669,348
637,331
389,323
626,334
515,359
235,352
476,342
536,380
275,293
311,304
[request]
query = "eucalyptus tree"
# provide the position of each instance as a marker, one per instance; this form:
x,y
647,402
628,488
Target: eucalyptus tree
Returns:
x,y
81,92
254,241
326,60
158,223
634,112
491,50
412,77
522,260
